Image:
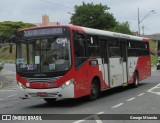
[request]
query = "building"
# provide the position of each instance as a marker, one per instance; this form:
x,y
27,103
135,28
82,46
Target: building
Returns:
x,y
46,22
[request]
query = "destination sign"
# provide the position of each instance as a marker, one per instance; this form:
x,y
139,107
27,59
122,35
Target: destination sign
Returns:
x,y
43,32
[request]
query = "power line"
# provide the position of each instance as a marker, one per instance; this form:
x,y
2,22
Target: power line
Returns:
x,y
134,19
57,4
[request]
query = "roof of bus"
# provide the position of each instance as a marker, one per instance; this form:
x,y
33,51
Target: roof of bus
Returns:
x,y
93,32
111,34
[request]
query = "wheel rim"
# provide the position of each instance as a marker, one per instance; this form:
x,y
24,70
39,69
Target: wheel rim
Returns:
x,y
136,80
93,89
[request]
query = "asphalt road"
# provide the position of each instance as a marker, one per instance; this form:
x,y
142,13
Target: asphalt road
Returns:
x,y
9,67
142,100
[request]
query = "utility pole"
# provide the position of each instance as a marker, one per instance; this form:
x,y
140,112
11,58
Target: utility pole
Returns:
x,y
140,21
143,30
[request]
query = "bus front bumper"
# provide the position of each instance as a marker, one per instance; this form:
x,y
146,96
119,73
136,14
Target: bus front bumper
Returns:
x,y
57,93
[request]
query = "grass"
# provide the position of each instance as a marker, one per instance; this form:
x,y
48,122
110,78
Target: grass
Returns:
x,y
153,57
5,56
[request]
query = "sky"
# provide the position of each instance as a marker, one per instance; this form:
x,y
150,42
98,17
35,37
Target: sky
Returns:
x,y
31,11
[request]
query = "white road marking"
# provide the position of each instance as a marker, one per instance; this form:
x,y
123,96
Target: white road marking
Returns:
x,y
100,113
152,89
157,86
117,105
12,95
97,118
8,90
141,94
8,97
92,116
79,121
130,99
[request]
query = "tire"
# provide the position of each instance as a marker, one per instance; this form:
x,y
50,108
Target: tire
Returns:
x,y
94,91
136,80
50,100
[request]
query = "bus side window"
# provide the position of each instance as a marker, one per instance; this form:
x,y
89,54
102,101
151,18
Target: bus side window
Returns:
x,y
93,46
114,48
132,52
79,49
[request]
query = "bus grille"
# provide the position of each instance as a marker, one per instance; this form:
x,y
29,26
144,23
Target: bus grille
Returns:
x,y
42,79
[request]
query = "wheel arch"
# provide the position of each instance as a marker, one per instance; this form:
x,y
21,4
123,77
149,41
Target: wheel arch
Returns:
x,y
97,78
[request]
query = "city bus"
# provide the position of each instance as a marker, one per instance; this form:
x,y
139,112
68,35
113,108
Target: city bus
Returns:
x,y
68,61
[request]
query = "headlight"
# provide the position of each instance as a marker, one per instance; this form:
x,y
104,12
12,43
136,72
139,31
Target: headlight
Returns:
x,y
67,83
21,85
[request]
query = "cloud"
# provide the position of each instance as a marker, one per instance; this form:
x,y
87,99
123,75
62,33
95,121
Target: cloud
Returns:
x,y
123,10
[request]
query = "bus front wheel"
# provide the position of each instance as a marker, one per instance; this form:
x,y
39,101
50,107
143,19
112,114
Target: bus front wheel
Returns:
x,y
94,91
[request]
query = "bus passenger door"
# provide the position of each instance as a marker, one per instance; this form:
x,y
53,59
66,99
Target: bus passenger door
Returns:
x,y
123,47
82,74
115,63
104,60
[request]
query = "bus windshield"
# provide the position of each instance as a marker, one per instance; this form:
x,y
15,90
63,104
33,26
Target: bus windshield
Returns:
x,y
44,54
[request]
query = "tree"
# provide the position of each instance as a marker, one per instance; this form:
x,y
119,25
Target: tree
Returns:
x,y
8,28
122,28
93,16
5,33
1,66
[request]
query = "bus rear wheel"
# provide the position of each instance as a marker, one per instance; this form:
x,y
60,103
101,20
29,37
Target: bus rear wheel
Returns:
x,y
94,90
136,80
50,100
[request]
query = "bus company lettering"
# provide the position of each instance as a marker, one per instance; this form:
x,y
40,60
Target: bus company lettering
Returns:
x,y
40,32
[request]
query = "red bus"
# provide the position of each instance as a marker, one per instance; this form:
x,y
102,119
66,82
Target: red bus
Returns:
x,y
68,61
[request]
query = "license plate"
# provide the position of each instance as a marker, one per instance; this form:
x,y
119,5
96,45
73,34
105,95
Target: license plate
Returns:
x,y
42,94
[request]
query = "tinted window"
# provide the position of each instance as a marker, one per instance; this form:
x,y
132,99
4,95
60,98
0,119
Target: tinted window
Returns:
x,y
93,46
114,48
79,49
137,48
